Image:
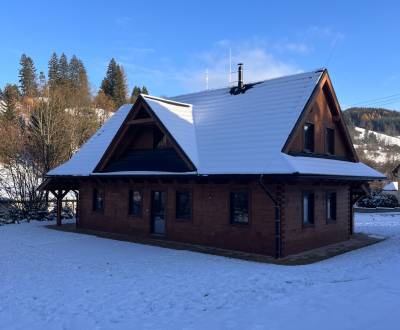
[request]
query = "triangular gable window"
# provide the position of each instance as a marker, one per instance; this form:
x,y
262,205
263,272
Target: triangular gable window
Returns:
x,y
143,144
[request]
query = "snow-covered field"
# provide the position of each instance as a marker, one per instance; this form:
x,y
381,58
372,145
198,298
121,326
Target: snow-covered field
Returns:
x,y
386,139
57,280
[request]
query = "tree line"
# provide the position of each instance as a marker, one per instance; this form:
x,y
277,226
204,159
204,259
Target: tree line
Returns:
x,y
45,119
72,77
374,119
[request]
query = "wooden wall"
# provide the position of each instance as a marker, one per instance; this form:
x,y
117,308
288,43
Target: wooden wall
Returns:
x,y
320,115
297,237
210,223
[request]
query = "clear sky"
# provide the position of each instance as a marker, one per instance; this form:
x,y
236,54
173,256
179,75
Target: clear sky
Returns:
x,y
169,45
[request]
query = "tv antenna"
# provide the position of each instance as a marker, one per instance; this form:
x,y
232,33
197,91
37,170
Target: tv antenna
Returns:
x,y
206,79
230,66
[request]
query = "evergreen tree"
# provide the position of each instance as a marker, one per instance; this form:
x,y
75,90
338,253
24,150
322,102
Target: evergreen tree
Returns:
x,y
27,77
42,87
63,70
11,97
53,71
114,84
135,94
144,91
73,72
108,83
78,80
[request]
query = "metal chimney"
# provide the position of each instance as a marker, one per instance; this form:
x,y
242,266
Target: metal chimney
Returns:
x,y
240,76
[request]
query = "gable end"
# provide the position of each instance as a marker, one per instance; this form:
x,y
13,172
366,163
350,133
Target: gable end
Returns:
x,y
142,120
323,111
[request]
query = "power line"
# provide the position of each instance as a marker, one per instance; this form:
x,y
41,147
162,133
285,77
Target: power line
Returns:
x,y
376,100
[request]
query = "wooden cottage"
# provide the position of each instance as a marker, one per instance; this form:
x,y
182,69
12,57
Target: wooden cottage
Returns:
x,y
266,167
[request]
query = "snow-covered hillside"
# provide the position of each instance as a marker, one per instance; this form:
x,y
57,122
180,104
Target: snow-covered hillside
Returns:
x,y
58,280
385,139
378,147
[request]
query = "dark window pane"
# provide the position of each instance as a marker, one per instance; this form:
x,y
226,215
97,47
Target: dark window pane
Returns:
x,y
330,141
98,200
183,205
135,203
239,204
309,137
159,139
308,208
331,206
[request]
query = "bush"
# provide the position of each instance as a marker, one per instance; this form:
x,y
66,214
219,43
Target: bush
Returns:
x,y
379,200
66,213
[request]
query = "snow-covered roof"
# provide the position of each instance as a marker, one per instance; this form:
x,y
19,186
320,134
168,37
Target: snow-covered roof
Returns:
x,y
223,133
391,186
88,156
178,119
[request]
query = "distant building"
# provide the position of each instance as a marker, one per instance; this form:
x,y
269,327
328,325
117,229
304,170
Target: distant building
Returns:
x,y
266,167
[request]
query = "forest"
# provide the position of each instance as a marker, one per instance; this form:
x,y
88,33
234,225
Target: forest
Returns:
x,y
374,119
46,118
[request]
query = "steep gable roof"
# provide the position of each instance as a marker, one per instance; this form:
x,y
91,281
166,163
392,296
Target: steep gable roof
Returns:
x,y
245,133
84,161
178,120
223,133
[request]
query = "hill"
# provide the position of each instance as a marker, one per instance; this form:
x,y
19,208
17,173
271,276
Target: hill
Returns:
x,y
376,136
375,119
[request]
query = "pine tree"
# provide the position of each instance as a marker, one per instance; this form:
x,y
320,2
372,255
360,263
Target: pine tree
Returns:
x,y
63,70
114,84
135,94
11,97
120,89
27,77
53,71
42,87
144,91
108,83
78,80
73,72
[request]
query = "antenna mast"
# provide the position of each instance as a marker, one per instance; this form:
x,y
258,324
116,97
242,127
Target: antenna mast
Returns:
x,y
230,65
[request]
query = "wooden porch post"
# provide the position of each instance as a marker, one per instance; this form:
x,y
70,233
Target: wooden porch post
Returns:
x,y
59,194
59,207
77,208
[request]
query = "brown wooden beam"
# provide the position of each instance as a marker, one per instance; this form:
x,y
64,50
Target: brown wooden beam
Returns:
x,y
59,207
140,121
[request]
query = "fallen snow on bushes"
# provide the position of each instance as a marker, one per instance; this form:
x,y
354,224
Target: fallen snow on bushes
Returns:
x,y
57,280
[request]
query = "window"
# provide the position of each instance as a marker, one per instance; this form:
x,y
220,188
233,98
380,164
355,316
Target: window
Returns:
x,y
159,139
309,137
183,205
239,207
98,200
330,141
308,208
135,203
331,206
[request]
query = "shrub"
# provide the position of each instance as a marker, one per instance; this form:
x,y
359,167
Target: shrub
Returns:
x,y
379,200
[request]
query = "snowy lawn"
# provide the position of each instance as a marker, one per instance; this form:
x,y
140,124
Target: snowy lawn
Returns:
x,y
57,280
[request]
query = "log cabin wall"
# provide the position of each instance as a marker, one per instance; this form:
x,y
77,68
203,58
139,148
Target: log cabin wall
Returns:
x,y
210,223
298,237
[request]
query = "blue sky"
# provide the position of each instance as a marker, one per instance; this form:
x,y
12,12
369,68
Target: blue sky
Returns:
x,y
169,45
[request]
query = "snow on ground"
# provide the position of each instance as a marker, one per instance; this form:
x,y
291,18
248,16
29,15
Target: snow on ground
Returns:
x,y
58,280
386,139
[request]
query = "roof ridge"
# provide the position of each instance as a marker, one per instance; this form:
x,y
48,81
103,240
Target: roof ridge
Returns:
x,y
250,82
156,98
